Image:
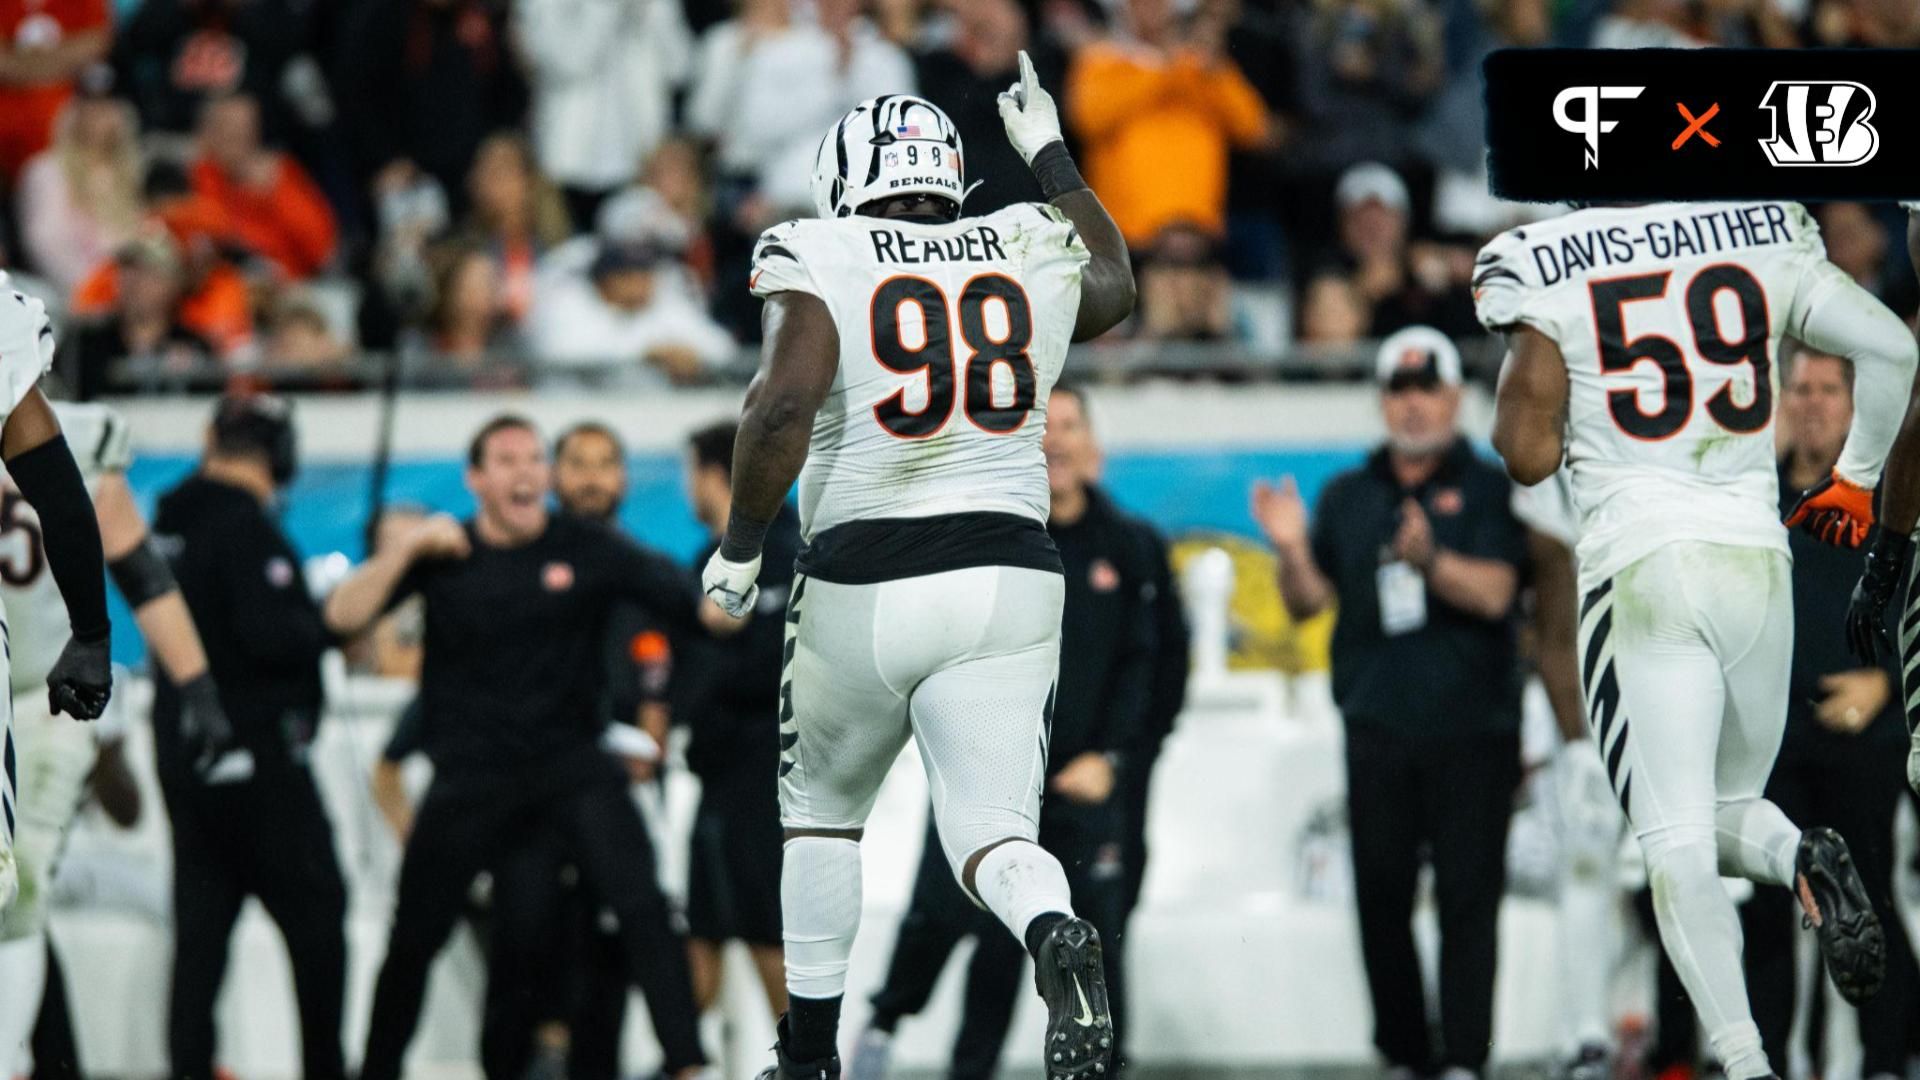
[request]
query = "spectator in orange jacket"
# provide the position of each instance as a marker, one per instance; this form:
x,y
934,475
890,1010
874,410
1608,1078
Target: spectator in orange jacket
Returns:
x,y
1157,114
216,303
274,208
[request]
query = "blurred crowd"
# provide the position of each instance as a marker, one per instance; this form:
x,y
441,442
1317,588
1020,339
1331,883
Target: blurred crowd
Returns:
x,y
502,190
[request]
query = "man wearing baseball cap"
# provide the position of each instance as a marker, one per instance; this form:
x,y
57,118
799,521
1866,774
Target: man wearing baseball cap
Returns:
x,y
1419,549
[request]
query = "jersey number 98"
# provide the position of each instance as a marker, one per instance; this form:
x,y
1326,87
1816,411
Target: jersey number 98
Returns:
x,y
1617,354
933,359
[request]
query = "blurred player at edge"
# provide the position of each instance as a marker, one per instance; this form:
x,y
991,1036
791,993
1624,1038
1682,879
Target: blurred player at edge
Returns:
x,y
1648,369
45,474
1889,555
56,756
886,320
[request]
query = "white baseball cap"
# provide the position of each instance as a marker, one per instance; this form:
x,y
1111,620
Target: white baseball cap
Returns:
x,y
1371,180
1418,350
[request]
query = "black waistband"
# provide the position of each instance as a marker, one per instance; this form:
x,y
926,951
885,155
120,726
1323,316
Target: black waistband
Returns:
x,y
887,549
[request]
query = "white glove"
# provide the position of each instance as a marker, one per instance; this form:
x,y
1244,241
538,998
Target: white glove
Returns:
x,y
36,317
1913,761
1028,110
731,584
1585,806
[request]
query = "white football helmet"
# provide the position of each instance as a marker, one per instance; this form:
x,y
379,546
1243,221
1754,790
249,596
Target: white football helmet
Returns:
x,y
895,144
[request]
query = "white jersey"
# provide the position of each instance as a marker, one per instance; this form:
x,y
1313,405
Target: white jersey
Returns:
x,y
951,337
36,614
1670,319
26,352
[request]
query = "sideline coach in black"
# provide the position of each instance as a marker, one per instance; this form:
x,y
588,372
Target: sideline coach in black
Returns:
x,y
556,979
1420,548
1842,759
235,833
516,608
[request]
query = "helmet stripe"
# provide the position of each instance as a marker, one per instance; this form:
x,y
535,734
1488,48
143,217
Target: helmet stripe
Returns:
x,y
840,147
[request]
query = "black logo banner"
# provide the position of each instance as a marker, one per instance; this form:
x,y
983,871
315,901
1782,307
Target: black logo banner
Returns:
x,y
1700,124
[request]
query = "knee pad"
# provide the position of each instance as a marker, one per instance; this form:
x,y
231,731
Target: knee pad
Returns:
x,y
24,884
820,897
965,831
1681,858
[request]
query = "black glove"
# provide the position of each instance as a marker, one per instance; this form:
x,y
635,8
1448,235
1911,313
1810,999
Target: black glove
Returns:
x,y
1866,614
205,731
82,679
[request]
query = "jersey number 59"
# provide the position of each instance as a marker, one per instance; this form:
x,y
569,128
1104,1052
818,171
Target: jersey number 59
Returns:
x,y
1617,354
934,360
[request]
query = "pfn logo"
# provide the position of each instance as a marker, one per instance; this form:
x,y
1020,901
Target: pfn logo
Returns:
x,y
1820,123
1589,125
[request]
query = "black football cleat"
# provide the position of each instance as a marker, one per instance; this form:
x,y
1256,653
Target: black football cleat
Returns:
x,y
785,1068
1072,980
1836,905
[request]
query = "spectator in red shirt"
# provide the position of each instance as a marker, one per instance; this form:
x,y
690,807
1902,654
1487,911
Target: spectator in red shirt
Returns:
x,y
274,207
46,45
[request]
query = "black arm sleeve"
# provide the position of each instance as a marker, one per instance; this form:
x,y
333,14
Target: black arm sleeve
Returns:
x,y
51,482
143,575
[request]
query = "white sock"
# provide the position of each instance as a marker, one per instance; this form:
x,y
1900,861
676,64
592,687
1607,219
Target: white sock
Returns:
x,y
1019,882
1756,842
820,904
1738,1048
23,975
1584,935
1701,933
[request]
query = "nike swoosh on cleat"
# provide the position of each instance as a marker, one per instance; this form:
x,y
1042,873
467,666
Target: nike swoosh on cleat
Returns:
x,y
1085,1016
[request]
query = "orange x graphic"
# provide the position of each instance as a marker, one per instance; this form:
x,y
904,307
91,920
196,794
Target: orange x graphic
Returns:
x,y
1697,125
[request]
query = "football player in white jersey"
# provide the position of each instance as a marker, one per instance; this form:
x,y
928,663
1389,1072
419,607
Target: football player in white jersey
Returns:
x,y
909,355
43,470
56,756
1641,354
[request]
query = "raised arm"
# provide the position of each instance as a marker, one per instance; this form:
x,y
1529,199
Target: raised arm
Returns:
x,y
1839,317
1033,126
371,589
1282,516
1530,406
797,367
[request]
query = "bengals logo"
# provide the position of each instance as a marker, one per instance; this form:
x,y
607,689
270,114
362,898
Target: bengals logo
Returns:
x,y
1820,123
